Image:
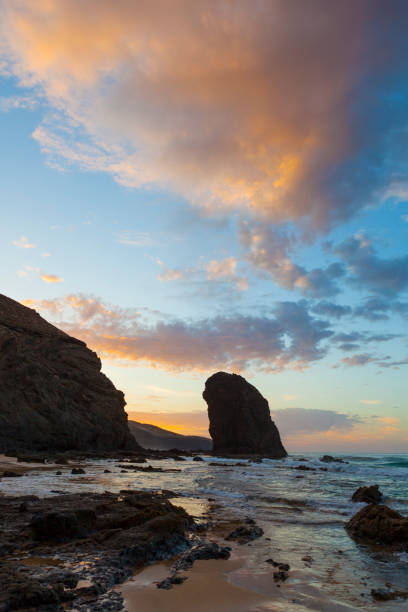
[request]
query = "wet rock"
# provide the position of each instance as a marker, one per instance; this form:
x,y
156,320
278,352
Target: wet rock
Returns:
x,y
330,459
60,460
284,567
230,465
63,525
243,534
198,458
149,468
280,576
31,458
78,471
380,524
64,400
106,471
168,583
388,594
240,421
59,473
109,534
202,551
10,474
368,495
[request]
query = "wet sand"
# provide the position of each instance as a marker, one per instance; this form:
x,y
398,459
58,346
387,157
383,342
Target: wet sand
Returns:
x,y
207,589
224,586
11,464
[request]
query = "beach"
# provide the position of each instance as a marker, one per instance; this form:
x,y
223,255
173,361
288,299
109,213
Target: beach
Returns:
x,y
300,503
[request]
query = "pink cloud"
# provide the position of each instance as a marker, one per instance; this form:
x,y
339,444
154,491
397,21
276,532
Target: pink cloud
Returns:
x,y
236,105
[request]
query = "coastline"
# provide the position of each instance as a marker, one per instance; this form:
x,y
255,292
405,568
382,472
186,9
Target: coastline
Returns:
x,y
329,571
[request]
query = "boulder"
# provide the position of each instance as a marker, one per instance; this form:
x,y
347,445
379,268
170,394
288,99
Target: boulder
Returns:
x,y
379,523
330,459
53,395
240,421
368,495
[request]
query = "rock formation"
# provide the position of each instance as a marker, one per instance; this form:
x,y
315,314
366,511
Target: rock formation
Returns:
x,y
240,421
368,495
378,523
53,395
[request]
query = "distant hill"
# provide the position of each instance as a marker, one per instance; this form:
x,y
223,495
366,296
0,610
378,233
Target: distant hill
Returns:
x,y
150,436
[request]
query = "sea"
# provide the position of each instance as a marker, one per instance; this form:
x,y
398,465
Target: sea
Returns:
x,y
302,512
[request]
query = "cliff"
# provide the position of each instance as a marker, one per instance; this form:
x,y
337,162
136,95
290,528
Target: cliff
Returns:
x,y
53,395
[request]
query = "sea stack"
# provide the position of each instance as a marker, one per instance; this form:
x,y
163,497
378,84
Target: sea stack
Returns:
x,y
53,395
240,421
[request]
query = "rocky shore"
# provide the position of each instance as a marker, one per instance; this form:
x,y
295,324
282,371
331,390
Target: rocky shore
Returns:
x,y
50,546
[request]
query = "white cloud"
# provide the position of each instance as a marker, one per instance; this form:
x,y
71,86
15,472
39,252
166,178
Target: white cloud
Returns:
x,y
133,238
23,243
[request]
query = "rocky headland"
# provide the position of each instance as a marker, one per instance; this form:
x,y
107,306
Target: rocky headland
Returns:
x,y
240,421
53,393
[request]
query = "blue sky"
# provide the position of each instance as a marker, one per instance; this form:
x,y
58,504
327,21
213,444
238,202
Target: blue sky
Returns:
x,y
187,193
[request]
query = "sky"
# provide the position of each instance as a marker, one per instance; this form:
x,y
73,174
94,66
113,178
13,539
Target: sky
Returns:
x,y
217,185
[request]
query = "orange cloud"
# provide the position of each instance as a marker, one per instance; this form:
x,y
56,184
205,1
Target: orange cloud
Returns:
x,y
233,343
230,104
51,278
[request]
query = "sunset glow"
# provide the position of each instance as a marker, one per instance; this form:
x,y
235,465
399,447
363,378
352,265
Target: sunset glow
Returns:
x,y
199,186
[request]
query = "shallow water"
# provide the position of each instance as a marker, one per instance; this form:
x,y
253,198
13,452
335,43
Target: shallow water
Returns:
x,y
302,512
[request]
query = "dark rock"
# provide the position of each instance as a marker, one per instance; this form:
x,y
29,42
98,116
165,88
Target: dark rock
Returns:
x,y
63,525
9,474
31,458
198,458
61,460
243,534
388,595
283,567
59,473
368,495
202,551
168,583
280,576
104,536
240,421
106,471
330,459
53,393
379,523
78,471
229,465
149,468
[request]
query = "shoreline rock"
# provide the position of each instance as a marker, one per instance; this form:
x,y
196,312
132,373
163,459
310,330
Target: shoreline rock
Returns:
x,y
369,495
102,538
379,524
